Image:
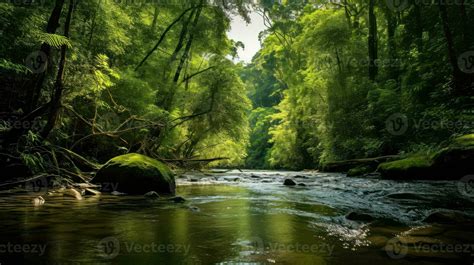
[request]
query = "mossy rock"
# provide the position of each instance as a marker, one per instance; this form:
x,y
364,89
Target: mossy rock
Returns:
x,y
453,162
360,171
135,174
408,168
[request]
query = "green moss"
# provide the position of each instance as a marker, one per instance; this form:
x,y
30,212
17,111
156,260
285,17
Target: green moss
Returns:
x,y
411,167
407,163
451,162
135,174
464,141
359,171
141,162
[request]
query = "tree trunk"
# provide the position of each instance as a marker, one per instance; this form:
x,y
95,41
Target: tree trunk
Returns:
x,y
58,85
188,46
466,26
457,74
372,42
35,91
392,49
91,34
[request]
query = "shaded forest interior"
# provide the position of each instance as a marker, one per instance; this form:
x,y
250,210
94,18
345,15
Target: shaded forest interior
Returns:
x,y
84,81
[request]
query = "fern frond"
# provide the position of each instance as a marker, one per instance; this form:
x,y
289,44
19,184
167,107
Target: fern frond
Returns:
x,y
10,66
54,40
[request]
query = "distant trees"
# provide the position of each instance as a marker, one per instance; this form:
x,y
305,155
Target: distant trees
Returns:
x,y
356,67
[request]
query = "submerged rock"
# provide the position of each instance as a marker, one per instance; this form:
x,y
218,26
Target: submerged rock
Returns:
x,y
72,193
194,209
447,217
378,241
152,195
289,182
360,171
38,201
177,199
302,184
354,216
136,174
91,192
427,230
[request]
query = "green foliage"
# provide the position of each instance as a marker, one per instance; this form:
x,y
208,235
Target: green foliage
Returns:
x,y
313,99
186,101
54,40
258,150
315,57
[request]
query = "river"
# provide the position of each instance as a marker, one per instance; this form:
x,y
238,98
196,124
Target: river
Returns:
x,y
239,217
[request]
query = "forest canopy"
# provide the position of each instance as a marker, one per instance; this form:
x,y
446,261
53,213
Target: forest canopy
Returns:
x,y
334,80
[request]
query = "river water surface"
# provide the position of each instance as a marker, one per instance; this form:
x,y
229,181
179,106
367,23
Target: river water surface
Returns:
x,y
237,217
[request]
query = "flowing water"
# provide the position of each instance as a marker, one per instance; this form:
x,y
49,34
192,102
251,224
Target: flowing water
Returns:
x,y
235,218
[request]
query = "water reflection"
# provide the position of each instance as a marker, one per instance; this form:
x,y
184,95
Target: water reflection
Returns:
x,y
219,224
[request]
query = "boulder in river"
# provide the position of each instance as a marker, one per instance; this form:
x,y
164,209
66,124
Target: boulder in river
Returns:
x,y
452,162
360,171
289,182
408,168
136,174
447,217
354,216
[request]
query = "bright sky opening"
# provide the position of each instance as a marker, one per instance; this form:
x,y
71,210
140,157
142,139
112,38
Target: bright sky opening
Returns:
x,y
247,34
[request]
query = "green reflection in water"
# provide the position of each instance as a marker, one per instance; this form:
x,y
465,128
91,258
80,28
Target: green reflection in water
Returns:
x,y
217,224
